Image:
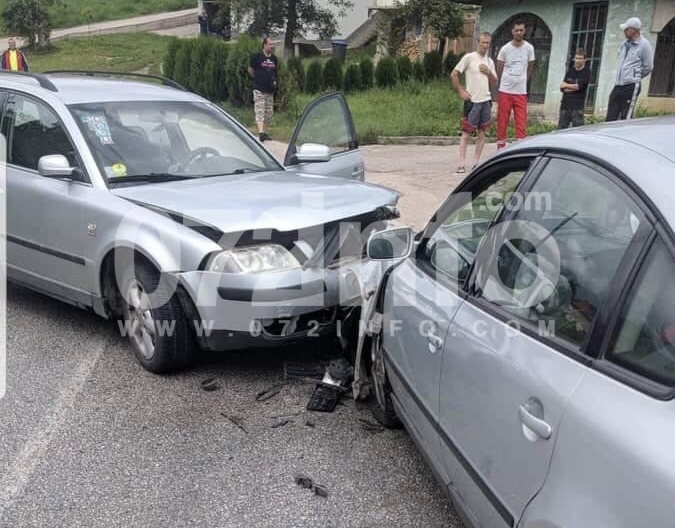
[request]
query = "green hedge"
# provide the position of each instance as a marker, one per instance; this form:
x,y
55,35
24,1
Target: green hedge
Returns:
x,y
405,68
353,78
386,72
314,79
433,65
367,72
332,74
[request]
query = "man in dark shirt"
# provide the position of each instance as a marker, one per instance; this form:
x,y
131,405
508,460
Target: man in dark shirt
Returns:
x,y
263,69
574,92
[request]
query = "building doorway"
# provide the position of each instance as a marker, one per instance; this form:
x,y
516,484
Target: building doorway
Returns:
x,y
663,76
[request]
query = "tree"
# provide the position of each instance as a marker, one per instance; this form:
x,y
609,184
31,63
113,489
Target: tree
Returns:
x,y
295,17
442,18
29,19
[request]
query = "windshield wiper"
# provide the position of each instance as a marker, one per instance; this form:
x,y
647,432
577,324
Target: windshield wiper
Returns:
x,y
152,177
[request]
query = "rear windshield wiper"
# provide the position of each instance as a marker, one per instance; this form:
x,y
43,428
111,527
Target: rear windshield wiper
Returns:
x,y
153,177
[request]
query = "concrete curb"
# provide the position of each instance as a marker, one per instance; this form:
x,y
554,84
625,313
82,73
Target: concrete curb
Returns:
x,y
441,141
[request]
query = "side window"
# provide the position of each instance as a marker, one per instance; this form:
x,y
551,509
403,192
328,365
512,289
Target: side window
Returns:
x,y
554,267
452,247
35,131
326,124
645,340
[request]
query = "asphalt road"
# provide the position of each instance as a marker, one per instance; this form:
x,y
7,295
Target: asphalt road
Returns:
x,y
88,438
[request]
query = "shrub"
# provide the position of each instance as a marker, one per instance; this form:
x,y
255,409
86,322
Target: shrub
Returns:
x,y
367,72
332,74
169,62
353,78
200,54
314,80
418,71
386,73
215,83
405,68
287,89
433,65
239,82
450,62
181,72
298,71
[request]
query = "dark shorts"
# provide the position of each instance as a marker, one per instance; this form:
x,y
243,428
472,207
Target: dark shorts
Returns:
x,y
477,116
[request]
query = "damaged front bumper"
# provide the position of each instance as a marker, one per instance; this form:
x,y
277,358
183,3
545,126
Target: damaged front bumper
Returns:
x,y
233,311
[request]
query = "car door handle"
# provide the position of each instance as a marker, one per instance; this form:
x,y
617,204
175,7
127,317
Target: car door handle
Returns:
x,y
435,342
537,425
357,172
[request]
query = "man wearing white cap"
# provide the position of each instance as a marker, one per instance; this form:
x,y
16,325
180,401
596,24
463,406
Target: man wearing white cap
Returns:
x,y
635,63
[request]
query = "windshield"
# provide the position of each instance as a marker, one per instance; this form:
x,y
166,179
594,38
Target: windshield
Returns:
x,y
167,140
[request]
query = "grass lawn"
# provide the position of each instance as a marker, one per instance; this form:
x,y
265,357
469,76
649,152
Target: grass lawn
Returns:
x,y
122,51
68,13
410,109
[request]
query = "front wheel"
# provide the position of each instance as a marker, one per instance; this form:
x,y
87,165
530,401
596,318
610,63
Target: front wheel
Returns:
x,y
158,331
383,407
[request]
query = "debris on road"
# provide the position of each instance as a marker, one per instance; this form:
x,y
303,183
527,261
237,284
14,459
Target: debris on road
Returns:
x,y
371,426
310,423
235,421
320,490
304,481
269,392
280,423
300,369
210,385
333,385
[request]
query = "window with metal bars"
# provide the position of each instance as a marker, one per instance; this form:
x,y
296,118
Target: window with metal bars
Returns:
x,y
589,21
663,77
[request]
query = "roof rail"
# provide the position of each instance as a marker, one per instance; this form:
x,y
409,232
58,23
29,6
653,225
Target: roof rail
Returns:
x,y
93,73
40,78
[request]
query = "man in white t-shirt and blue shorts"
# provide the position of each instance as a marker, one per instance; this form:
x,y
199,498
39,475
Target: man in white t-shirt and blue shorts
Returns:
x,y
479,71
515,63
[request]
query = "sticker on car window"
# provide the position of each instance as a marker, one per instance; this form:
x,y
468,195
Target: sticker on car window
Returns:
x,y
115,170
99,126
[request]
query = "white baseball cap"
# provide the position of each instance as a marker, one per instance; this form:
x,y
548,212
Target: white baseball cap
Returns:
x,y
632,22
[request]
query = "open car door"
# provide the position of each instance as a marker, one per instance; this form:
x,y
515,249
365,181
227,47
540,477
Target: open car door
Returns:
x,y
324,141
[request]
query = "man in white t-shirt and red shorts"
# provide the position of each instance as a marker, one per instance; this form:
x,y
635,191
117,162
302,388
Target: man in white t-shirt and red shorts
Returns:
x,y
515,63
479,71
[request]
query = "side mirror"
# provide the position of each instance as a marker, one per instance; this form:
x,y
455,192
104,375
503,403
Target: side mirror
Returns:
x,y
395,243
313,153
57,166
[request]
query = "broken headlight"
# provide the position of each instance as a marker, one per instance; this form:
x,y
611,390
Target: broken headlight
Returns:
x,y
253,259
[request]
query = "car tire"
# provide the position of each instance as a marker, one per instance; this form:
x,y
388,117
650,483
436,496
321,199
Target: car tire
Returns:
x,y
159,334
383,406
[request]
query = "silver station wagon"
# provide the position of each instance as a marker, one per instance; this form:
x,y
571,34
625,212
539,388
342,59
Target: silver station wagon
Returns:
x,y
528,345
146,203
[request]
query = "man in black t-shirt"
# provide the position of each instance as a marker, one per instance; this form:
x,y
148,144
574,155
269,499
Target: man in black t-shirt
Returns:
x,y
574,92
263,69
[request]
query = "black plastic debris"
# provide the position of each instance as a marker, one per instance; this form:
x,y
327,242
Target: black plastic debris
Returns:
x,y
269,392
210,385
280,423
299,369
235,421
310,423
328,391
371,426
320,490
304,481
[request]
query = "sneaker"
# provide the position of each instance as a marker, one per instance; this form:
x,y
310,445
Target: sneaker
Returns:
x,y
460,170
262,136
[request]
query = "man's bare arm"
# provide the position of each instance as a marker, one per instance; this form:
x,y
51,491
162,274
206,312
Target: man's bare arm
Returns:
x,y
500,69
530,69
458,85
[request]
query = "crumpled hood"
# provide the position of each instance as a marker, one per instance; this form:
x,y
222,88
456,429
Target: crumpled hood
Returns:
x,y
284,201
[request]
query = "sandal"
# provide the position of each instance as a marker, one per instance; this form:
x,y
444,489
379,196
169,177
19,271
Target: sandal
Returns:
x,y
460,170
